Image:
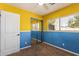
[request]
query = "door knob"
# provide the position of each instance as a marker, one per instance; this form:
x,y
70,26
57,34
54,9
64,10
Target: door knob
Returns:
x,y
18,34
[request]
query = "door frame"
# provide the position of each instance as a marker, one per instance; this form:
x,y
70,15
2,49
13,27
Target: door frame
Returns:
x,y
41,27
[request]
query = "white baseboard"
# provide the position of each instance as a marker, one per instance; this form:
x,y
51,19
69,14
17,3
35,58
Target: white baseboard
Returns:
x,y
26,47
36,39
59,48
62,48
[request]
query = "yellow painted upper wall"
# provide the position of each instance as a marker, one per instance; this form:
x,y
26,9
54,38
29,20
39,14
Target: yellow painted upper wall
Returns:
x,y
73,8
25,23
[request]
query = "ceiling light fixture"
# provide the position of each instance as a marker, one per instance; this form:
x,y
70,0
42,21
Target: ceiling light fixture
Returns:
x,y
40,4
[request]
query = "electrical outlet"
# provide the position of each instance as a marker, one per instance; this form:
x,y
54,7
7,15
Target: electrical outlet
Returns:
x,y
63,44
25,43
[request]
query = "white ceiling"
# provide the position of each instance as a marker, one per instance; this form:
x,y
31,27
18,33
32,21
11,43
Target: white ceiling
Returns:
x,y
35,8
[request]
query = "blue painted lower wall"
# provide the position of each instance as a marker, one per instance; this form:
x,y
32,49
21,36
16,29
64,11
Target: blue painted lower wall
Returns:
x,y
66,40
36,34
25,39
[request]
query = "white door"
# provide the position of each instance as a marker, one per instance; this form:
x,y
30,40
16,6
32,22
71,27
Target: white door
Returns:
x,y
12,39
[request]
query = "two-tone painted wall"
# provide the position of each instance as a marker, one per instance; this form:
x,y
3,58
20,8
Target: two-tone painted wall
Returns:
x,y
67,40
73,8
63,39
25,23
36,34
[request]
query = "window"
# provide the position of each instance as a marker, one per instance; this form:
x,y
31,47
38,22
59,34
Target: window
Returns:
x,y
54,24
68,23
35,27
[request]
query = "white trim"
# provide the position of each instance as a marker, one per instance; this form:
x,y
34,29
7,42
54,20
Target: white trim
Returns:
x,y
60,31
62,48
36,39
26,47
25,31
36,30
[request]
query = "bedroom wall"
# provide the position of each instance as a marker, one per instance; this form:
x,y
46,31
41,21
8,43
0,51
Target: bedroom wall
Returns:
x,y
25,22
63,39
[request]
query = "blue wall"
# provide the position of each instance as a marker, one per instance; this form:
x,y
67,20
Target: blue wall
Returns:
x,y
36,34
66,40
25,37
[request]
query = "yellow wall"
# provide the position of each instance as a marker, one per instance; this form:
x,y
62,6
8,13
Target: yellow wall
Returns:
x,y
73,8
25,23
